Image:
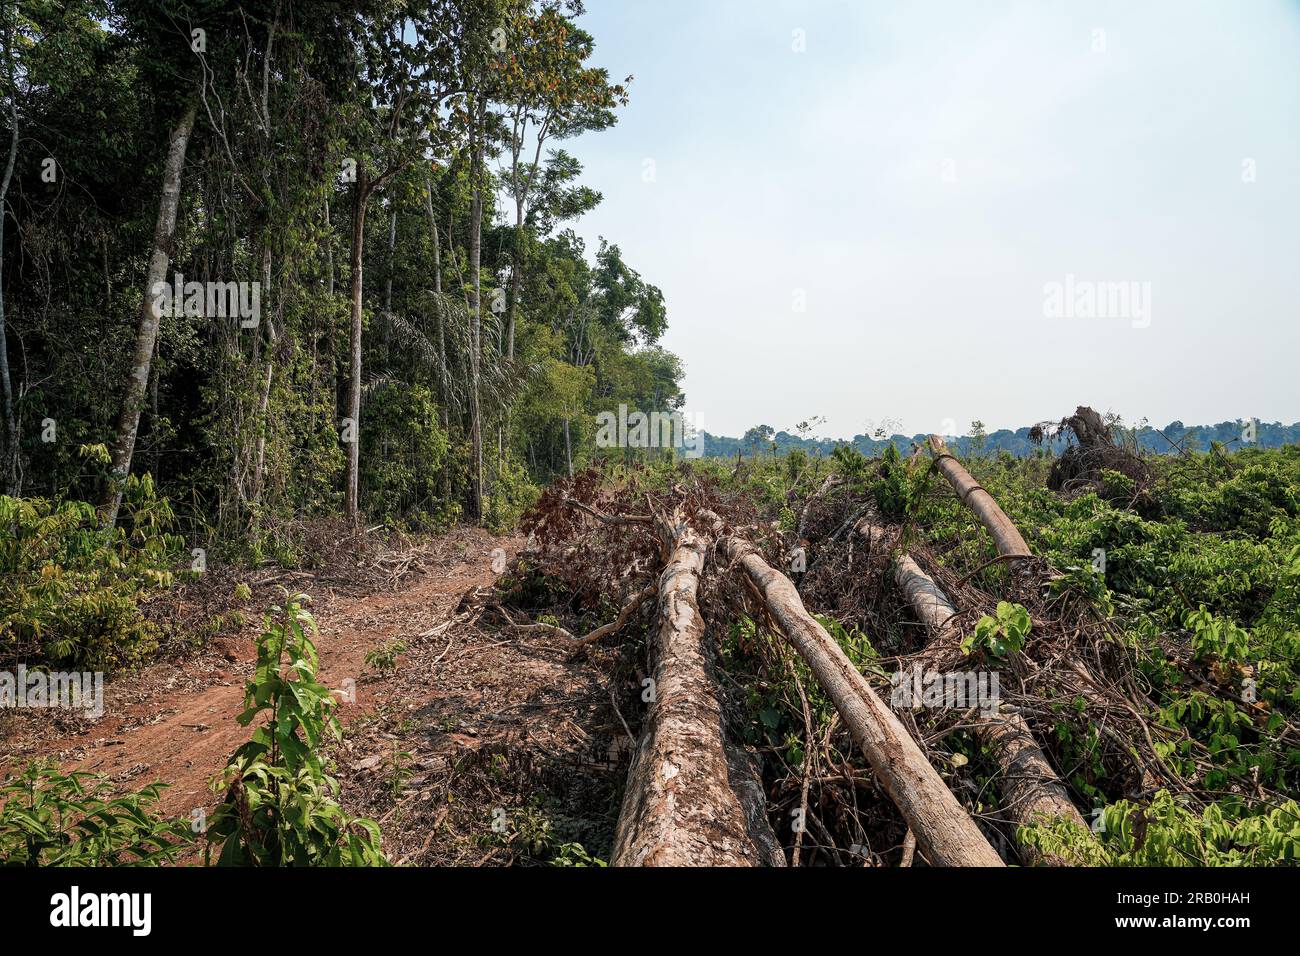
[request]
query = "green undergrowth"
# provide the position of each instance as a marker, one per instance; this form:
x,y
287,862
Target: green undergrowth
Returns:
x,y
70,590
1197,579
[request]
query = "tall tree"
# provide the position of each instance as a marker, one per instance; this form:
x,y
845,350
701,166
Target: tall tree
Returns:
x,y
411,64
9,453
550,94
476,306
146,337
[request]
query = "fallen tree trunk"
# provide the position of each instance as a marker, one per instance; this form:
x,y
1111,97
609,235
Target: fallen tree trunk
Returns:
x,y
692,798
1010,543
1031,791
928,602
944,831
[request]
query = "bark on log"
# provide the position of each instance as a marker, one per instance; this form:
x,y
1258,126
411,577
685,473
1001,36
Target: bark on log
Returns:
x,y
1031,790
1010,543
928,602
944,831
692,797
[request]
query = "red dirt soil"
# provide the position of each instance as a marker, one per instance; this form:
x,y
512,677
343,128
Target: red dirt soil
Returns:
x,y
154,730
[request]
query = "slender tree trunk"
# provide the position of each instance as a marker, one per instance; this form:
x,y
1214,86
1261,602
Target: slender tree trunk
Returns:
x,y
476,301
568,446
516,278
385,327
154,375
268,375
437,291
444,413
360,199
128,422
10,460
437,244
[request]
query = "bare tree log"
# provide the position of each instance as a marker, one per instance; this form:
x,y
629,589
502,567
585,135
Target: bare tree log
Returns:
x,y
944,831
929,603
691,799
1031,791
1010,543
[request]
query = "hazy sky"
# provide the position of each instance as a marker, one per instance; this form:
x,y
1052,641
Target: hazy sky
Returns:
x,y
922,170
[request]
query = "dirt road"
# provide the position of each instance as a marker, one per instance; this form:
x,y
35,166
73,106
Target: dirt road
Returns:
x,y
177,723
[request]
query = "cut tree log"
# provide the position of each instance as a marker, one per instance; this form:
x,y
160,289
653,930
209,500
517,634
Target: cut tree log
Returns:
x,y
693,798
1031,791
945,832
1010,543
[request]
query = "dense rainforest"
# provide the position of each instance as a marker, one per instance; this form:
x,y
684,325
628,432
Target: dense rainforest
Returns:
x,y
301,260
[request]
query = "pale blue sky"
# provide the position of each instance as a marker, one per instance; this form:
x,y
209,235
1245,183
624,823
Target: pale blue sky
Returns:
x,y
824,171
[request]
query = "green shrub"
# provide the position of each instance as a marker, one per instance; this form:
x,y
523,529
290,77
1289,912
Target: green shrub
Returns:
x,y
851,465
49,818
899,488
1001,635
1245,502
1166,833
575,854
70,590
280,806
383,658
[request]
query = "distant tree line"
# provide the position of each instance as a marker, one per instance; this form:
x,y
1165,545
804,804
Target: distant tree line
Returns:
x,y
765,440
